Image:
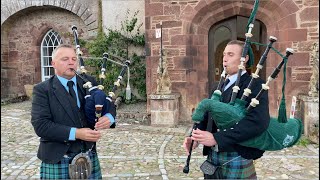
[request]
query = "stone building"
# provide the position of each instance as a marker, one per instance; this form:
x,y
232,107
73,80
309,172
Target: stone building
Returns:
x,y
29,32
194,35
30,29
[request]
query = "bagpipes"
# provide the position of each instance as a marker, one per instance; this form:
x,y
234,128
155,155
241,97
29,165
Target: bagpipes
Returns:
x,y
281,132
97,103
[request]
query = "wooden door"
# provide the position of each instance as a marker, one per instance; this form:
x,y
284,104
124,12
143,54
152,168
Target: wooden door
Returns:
x,y
231,29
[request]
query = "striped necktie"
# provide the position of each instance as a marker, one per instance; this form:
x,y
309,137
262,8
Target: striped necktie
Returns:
x,y
226,82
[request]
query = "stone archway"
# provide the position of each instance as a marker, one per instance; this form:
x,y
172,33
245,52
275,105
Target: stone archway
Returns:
x,y
186,24
22,34
279,18
86,10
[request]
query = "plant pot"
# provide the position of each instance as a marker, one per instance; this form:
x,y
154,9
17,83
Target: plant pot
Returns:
x,y
28,89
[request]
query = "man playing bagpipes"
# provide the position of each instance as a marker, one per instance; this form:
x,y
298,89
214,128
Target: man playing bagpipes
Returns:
x,y
234,124
221,145
59,119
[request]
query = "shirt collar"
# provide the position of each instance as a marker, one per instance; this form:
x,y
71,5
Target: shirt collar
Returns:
x,y
64,81
233,78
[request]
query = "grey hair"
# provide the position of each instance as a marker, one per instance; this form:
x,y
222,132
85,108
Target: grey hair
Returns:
x,y
54,52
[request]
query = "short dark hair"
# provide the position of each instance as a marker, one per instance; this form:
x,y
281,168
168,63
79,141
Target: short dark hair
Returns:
x,y
237,42
241,44
61,46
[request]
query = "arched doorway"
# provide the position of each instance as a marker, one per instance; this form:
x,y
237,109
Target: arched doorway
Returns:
x,y
221,33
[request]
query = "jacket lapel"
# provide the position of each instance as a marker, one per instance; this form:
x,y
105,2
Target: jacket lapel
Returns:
x,y
243,78
62,95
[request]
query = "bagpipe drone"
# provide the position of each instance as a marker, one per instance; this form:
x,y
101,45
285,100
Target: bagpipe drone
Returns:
x,y
281,132
97,103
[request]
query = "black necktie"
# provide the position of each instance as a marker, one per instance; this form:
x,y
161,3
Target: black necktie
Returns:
x,y
71,90
226,82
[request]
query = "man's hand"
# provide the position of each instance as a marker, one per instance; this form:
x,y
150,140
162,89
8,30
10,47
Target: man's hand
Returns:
x,y
88,134
187,144
102,123
203,137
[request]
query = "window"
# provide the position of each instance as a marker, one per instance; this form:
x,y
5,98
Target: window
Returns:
x,y
51,40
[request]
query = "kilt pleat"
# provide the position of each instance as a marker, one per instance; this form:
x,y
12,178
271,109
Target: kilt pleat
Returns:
x,y
239,168
61,169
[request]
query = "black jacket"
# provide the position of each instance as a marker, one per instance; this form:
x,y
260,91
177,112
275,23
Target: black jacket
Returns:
x,y
53,114
255,122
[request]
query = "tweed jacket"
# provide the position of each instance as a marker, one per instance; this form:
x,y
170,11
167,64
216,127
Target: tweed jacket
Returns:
x,y
54,113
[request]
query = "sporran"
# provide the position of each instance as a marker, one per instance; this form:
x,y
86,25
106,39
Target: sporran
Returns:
x,y
81,166
208,168
211,171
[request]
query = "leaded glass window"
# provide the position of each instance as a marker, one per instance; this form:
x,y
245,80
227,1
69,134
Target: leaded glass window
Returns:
x,y
51,40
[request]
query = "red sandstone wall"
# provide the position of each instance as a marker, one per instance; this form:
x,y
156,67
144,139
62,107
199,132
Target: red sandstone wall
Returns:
x,y
185,30
21,39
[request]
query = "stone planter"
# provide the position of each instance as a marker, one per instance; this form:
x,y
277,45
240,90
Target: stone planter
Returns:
x,y
28,89
164,109
309,112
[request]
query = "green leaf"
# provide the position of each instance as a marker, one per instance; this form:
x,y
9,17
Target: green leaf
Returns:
x,y
117,42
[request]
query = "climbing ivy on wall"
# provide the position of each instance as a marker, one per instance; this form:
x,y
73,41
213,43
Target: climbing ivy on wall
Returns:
x,y
119,45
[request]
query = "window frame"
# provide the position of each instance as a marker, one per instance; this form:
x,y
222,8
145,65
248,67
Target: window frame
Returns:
x,y
50,40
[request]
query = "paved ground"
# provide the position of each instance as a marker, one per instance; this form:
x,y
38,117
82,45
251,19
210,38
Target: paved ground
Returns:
x,y
139,152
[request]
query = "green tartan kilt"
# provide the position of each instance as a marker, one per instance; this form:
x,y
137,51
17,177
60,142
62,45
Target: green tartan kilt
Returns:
x,y
239,168
61,169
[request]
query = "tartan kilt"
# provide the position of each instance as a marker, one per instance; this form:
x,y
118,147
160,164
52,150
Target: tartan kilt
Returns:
x,y
61,169
239,168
